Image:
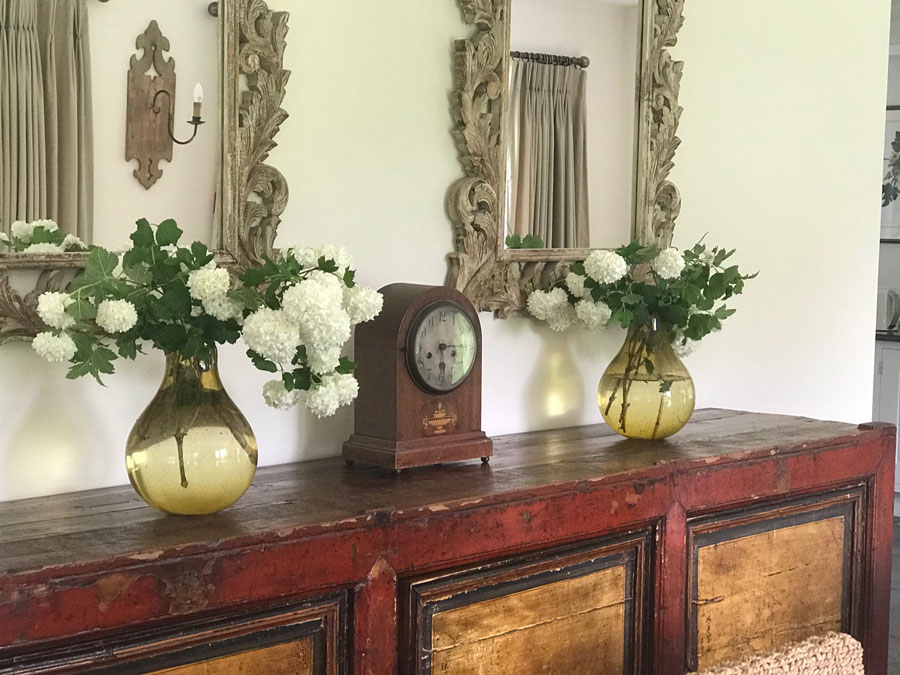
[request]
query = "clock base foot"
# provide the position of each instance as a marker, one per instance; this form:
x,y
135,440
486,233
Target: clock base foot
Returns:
x,y
421,452
485,460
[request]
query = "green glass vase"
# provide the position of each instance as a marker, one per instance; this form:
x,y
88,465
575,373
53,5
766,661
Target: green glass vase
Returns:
x,y
646,392
191,452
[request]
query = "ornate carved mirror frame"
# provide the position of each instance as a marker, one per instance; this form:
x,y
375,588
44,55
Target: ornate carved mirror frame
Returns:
x,y
253,195
492,277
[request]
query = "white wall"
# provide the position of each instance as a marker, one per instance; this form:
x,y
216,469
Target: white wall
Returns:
x,y
780,159
187,189
607,33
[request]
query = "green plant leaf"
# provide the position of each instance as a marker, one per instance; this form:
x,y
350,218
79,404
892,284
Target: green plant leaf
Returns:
x,y
177,300
139,273
253,278
249,298
350,278
513,241
101,263
171,337
82,310
168,233
346,367
532,241
262,364
143,234
327,265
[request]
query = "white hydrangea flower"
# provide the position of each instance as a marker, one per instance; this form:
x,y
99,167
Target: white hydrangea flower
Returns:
x,y
51,308
362,304
277,396
72,242
171,249
669,264
339,254
334,392
43,248
272,334
605,267
209,284
684,348
562,318
543,304
306,257
322,361
594,315
54,348
48,225
22,231
575,284
316,305
223,308
707,258
5,242
116,316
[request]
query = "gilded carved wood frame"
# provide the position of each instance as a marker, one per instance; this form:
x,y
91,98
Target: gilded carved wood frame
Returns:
x,y
253,194
492,277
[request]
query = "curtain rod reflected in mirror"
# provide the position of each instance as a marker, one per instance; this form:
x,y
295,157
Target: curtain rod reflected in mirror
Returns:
x,y
213,8
551,59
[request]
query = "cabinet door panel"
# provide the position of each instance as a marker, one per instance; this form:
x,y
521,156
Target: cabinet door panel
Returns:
x,y
768,577
297,639
576,611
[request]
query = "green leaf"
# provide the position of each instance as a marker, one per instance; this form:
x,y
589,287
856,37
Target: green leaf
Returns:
x,y
139,273
513,241
82,310
101,263
346,367
177,299
648,366
127,347
623,316
716,288
262,364
577,268
194,345
350,278
253,278
143,235
665,386
248,297
202,256
168,233
170,337
288,379
303,379
327,265
691,294
532,241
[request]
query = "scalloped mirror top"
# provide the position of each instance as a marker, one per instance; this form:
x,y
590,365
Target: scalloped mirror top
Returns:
x,y
63,145
571,142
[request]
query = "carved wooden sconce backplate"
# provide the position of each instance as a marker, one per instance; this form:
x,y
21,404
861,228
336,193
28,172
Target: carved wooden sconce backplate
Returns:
x,y
147,138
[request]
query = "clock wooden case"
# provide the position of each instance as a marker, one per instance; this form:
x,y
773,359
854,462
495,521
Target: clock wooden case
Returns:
x,y
419,381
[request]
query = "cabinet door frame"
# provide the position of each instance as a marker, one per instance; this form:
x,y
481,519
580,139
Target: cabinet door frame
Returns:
x,y
198,639
850,502
421,596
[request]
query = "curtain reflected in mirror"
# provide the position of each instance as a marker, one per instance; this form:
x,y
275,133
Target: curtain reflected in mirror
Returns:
x,y
46,116
571,123
63,124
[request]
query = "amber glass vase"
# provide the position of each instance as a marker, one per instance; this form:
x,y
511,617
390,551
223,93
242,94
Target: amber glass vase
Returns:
x,y
646,392
191,452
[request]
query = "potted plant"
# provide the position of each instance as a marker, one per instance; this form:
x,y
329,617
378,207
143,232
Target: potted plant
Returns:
x,y
668,301
192,451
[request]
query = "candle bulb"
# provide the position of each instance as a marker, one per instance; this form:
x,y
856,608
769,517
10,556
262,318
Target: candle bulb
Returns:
x,y
198,100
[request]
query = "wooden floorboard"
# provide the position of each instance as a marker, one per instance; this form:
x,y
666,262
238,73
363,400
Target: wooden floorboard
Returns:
x,y
894,656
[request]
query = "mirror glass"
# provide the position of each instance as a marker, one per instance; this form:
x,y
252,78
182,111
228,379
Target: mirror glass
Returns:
x,y
571,123
63,98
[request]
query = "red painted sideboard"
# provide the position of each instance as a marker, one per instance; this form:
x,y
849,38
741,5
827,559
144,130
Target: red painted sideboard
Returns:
x,y
574,551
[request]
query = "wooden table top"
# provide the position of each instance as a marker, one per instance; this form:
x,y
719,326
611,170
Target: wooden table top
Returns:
x,y
321,496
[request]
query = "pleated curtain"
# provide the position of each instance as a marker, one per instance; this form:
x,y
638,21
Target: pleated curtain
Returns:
x,y
46,125
547,191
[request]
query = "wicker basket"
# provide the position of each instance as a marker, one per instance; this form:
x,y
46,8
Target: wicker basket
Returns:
x,y
831,654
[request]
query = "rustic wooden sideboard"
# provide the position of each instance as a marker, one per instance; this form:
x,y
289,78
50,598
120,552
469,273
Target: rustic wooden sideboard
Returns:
x,y
573,552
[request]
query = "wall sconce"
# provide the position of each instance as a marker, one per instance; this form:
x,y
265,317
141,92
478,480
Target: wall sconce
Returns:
x,y
149,128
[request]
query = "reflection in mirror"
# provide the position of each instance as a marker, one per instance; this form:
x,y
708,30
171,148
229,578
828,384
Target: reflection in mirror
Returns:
x,y
63,96
571,145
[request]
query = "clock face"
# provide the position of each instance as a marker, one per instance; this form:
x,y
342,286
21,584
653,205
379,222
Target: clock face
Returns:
x,y
442,347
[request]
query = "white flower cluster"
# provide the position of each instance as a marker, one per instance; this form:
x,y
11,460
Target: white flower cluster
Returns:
x,y
54,348
277,396
23,231
553,306
52,310
575,284
309,257
210,285
334,392
605,267
116,316
669,264
22,234
272,334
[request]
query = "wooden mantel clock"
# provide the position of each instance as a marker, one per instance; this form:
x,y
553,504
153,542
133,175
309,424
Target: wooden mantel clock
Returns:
x,y
419,381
